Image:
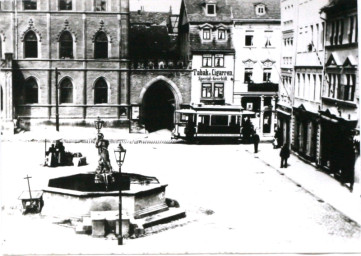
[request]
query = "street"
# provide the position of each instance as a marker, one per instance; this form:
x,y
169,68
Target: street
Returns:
x,y
235,203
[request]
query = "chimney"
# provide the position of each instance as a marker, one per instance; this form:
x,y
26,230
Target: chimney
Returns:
x,y
170,10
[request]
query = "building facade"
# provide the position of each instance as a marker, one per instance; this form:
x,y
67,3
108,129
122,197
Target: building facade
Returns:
x,y
308,70
256,38
205,40
340,94
286,92
89,45
234,49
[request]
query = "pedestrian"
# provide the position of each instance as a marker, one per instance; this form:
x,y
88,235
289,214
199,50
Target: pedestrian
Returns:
x,y
284,154
255,142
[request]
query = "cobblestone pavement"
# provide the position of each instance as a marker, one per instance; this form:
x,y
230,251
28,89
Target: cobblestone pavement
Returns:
x,y
235,203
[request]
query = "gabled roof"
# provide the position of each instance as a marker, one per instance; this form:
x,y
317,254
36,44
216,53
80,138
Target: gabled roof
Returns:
x,y
333,61
246,9
219,46
195,10
229,10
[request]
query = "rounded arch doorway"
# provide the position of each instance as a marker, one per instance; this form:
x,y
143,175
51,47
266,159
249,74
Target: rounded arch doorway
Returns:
x,y
158,107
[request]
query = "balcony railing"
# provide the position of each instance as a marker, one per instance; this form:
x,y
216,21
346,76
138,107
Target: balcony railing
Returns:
x,y
159,64
262,87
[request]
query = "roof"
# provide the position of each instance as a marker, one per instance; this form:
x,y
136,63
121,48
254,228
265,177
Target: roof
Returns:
x,y
195,10
219,46
246,9
339,5
229,10
143,17
149,42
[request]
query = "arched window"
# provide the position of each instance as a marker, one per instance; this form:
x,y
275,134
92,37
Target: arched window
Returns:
x,y
100,91
31,91
66,91
66,45
31,45
101,46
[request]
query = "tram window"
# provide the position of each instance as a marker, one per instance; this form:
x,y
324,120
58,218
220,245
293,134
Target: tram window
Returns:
x,y
184,118
219,120
233,120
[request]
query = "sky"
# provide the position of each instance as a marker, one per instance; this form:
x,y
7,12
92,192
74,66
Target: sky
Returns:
x,y
156,5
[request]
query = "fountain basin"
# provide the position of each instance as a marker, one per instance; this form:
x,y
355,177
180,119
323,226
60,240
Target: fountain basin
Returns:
x,y
76,196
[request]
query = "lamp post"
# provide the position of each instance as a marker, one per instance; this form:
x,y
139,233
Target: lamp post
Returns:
x,y
120,153
56,99
98,124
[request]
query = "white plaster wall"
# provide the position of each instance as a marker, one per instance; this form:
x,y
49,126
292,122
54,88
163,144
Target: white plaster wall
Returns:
x,y
197,84
258,53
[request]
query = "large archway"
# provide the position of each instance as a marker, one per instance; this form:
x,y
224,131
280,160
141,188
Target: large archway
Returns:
x,y
158,107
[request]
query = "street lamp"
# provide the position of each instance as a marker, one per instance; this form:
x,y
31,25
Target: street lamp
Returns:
x,y
120,153
57,73
98,124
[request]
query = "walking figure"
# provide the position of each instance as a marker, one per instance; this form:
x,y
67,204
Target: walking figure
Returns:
x,y
284,154
255,142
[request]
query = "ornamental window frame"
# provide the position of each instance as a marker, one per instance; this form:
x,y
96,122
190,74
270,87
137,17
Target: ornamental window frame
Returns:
x,y
31,45
219,60
101,91
260,9
31,91
207,60
66,91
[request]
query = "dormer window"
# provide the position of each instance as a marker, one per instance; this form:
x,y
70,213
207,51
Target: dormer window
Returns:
x,y
206,34
221,34
260,9
211,9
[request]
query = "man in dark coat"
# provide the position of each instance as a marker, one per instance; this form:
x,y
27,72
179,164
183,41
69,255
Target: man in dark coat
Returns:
x,y
284,154
255,142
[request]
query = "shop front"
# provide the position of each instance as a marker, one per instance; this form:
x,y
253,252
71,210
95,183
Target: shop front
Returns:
x,y
337,146
283,124
305,133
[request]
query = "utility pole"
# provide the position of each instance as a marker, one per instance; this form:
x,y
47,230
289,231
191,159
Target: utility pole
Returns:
x,y
56,99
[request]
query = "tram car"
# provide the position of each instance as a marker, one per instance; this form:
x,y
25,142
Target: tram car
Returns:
x,y
210,121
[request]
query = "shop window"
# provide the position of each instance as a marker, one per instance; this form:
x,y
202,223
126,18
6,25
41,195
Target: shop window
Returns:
x,y
266,75
66,91
221,34
66,45
1,49
31,91
206,34
101,46
211,9
219,90
249,40
30,45
219,60
206,90
100,5
248,75
100,91
207,60
30,4
65,5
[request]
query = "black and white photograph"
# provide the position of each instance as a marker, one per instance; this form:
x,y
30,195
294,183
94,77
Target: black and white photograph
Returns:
x,y
179,127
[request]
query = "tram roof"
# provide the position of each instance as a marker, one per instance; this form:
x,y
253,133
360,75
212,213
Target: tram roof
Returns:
x,y
212,111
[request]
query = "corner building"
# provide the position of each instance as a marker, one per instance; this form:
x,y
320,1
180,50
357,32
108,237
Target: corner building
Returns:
x,y
87,43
